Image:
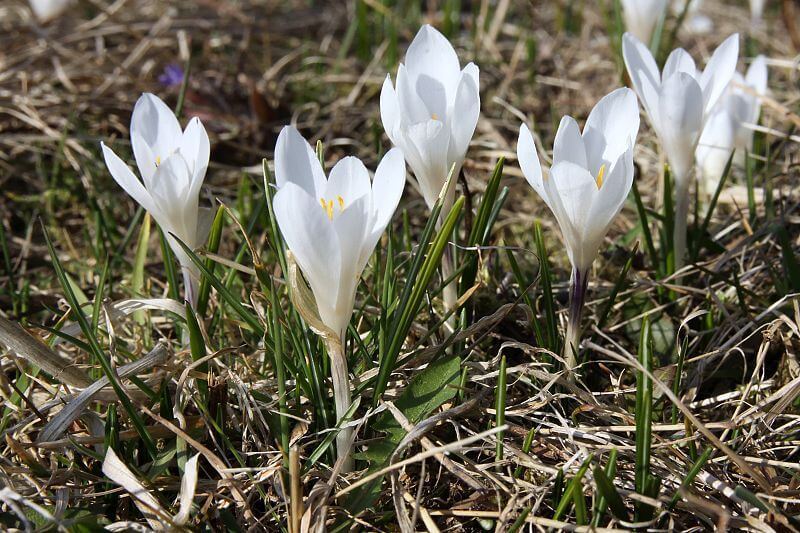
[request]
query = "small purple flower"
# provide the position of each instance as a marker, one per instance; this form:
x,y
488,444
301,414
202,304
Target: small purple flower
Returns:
x,y
172,76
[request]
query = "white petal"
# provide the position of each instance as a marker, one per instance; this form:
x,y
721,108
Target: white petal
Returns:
x,y
681,110
679,61
756,78
611,128
47,10
471,70
719,71
390,109
431,56
169,189
642,70
571,191
126,179
196,150
387,188
412,108
568,144
351,226
296,162
466,111
349,179
153,124
714,149
529,161
641,16
430,141
309,234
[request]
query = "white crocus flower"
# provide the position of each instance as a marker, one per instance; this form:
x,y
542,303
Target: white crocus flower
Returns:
x,y
173,164
730,126
47,10
432,111
331,227
678,102
641,17
588,183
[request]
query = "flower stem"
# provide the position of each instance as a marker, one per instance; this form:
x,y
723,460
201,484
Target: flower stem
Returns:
x,y
680,220
577,293
341,399
450,291
190,286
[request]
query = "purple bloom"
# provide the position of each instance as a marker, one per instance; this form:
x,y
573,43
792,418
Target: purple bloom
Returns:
x,y
172,76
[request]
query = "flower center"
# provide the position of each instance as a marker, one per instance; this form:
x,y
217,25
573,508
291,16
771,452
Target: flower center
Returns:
x,y
600,174
158,160
434,116
327,206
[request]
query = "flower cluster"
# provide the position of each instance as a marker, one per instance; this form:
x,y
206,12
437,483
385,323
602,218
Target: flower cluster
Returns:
x,y
332,223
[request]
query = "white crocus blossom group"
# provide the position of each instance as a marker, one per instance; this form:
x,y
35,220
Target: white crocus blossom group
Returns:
x,y
641,17
591,175
173,163
331,227
730,126
678,101
431,112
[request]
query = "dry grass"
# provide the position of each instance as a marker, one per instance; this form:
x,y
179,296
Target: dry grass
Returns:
x,y
257,65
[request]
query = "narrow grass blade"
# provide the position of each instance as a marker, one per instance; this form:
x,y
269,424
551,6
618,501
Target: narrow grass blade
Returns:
x,y
643,414
97,351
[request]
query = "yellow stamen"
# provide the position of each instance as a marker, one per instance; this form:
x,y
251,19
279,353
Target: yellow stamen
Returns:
x,y
341,203
434,116
599,179
158,160
327,207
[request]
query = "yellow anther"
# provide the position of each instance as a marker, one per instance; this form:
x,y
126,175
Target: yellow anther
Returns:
x,y
158,160
599,179
341,203
434,116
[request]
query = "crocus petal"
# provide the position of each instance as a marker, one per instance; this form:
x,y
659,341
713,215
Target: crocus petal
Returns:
x,y
413,108
153,124
390,109
681,111
47,10
719,71
641,16
196,149
465,114
387,188
529,161
351,228
126,179
168,189
430,141
568,144
348,181
310,236
296,162
611,128
714,148
431,56
571,191
756,79
642,69
679,61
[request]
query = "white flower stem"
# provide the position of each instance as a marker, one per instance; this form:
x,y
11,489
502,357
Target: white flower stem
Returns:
x,y
341,398
572,340
680,220
190,286
450,292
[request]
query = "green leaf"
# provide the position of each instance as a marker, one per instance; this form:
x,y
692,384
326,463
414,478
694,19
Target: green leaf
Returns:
x,y
606,489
